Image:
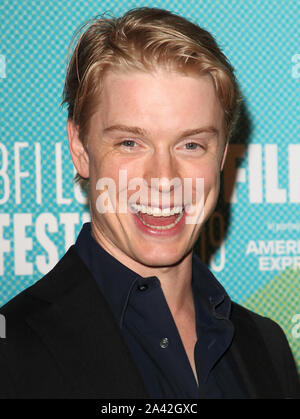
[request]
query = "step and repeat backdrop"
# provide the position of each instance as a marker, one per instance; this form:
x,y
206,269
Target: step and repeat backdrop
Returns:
x,y
252,241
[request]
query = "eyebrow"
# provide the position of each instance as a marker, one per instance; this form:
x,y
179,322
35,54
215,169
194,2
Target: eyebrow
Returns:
x,y
125,128
143,132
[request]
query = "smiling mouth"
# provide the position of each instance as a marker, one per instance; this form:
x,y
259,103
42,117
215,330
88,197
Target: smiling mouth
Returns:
x,y
158,219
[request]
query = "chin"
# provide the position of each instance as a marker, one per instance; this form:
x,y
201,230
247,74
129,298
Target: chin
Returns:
x,y
159,257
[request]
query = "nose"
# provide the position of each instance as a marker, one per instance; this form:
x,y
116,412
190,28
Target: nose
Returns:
x,y
162,171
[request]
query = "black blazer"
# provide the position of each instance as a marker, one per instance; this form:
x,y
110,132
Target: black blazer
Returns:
x,y
63,342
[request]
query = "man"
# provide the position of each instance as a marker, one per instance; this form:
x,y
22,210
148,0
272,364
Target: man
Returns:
x,y
130,311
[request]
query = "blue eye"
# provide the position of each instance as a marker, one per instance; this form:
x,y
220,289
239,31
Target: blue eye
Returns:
x,y
128,143
191,146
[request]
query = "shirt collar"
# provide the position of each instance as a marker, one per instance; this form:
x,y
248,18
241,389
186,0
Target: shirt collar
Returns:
x,y
209,290
116,281
213,325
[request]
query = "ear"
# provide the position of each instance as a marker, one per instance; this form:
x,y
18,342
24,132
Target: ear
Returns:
x,y
224,155
78,152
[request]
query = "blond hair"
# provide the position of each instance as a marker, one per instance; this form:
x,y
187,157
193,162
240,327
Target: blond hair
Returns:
x,y
143,39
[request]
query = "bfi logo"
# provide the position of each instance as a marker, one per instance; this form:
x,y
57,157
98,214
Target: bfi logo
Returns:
x,y
2,327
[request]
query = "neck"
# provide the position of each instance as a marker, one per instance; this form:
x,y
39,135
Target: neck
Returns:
x,y
176,285
175,280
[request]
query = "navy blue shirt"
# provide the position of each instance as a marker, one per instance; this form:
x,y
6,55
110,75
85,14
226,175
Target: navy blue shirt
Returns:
x,y
146,323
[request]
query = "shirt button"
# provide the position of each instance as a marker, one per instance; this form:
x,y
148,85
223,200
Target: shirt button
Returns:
x,y
142,287
164,343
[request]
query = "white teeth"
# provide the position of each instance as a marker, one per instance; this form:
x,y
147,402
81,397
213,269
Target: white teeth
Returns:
x,y
166,212
155,211
167,227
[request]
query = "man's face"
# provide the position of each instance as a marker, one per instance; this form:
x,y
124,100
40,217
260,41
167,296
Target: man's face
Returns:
x,y
154,125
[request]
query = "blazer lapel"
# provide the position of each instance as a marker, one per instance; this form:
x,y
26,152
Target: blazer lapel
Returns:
x,y
247,370
81,334
235,379
250,358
